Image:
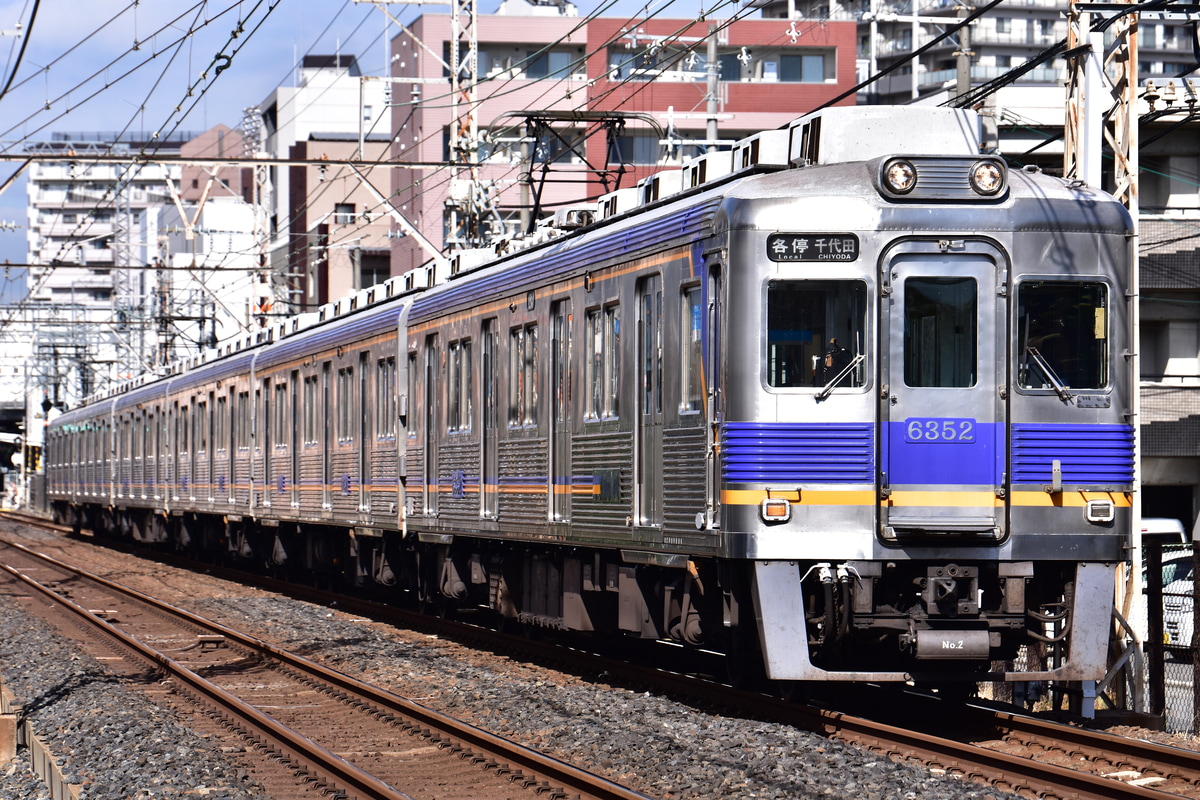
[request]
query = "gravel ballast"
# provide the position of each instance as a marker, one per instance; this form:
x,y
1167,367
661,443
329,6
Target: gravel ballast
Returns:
x,y
107,737
117,744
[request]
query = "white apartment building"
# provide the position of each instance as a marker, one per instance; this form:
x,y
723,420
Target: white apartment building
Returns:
x,y
87,249
330,96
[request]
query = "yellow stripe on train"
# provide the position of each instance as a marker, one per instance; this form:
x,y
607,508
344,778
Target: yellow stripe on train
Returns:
x,y
966,498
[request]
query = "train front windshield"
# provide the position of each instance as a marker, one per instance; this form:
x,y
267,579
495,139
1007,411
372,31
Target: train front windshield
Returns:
x,y
1062,335
816,331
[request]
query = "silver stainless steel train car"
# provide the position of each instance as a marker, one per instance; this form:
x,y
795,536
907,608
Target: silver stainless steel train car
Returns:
x,y
852,399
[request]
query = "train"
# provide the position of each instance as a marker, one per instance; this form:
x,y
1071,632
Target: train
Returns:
x,y
848,401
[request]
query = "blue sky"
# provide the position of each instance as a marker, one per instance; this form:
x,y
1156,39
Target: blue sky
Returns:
x,y
113,65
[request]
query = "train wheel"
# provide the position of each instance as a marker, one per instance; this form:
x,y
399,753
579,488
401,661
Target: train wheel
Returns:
x,y
743,660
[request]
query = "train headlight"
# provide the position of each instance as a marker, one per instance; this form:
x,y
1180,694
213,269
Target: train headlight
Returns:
x,y
987,178
776,509
900,176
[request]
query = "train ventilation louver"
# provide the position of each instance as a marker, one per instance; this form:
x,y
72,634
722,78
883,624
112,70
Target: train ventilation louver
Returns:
x,y
934,178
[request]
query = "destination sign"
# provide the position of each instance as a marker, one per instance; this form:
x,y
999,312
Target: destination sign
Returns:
x,y
812,247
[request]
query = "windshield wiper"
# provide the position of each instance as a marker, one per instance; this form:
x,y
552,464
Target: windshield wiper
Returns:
x,y
1060,388
841,376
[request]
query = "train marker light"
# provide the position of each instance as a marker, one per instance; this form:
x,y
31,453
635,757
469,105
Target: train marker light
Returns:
x,y
900,175
987,178
1101,511
776,509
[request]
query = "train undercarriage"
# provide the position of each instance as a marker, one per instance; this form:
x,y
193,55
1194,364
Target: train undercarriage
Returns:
x,y
863,620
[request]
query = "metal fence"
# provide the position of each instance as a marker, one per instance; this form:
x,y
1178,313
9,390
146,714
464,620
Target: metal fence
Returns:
x,y
1172,619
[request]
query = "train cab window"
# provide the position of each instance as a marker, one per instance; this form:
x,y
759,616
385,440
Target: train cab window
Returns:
x,y
940,337
691,377
816,334
1062,335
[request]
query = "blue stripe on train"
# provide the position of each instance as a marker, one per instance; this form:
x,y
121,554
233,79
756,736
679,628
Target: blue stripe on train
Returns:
x,y
1088,454
798,452
978,462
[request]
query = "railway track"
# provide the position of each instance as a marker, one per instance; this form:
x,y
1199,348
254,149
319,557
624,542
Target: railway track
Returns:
x,y
1010,751
352,738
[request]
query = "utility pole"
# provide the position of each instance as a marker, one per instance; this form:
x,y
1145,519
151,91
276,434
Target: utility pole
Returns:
x,y
714,86
963,55
463,207
1102,108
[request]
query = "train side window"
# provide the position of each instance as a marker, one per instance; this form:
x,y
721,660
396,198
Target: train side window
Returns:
x,y
279,436
612,361
184,426
815,329
345,405
385,399
593,364
692,376
219,422
1062,334
940,332
309,399
602,359
243,421
522,377
458,388
412,396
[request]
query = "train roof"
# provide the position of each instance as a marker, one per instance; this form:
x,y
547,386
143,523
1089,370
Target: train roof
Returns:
x,y
832,154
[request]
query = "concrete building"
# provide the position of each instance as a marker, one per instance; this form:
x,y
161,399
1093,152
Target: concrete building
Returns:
x,y
330,96
338,240
569,110
87,249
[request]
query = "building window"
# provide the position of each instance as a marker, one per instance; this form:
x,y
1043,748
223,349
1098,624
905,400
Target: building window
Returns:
x,y
343,213
803,68
634,150
1003,25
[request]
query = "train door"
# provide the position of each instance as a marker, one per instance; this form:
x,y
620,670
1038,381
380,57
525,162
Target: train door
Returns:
x,y
715,400
327,435
560,412
489,459
648,463
210,446
365,438
943,437
297,436
430,434
268,443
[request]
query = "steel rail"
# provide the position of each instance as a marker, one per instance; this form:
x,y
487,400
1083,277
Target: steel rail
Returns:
x,y
478,740
328,766
994,767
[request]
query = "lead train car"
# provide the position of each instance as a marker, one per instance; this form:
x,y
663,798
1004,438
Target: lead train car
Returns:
x,y
857,408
